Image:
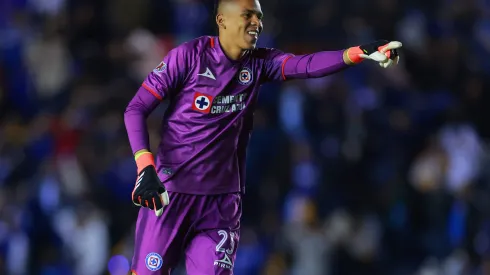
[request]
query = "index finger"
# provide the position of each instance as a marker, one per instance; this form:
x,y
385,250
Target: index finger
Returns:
x,y
391,46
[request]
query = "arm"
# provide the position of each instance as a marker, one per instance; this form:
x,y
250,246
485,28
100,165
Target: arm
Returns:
x,y
280,66
314,65
163,82
148,191
137,111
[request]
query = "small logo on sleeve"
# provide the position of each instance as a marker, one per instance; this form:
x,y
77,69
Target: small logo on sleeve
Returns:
x,y
153,261
245,76
160,68
202,102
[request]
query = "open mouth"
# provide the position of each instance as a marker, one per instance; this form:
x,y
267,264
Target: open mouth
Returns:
x,y
253,34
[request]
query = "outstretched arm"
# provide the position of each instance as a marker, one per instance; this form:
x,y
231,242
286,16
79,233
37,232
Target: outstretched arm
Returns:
x,y
313,65
282,66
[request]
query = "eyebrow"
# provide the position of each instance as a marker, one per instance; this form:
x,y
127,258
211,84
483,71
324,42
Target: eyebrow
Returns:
x,y
258,13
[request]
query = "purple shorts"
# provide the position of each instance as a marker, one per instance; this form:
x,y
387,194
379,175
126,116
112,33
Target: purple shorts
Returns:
x,y
203,228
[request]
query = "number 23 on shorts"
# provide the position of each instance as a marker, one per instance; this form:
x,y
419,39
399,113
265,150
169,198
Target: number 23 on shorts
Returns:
x,y
221,246
226,256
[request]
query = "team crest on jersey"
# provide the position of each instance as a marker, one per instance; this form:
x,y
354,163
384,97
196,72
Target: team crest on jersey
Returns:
x,y
153,261
202,102
245,76
160,68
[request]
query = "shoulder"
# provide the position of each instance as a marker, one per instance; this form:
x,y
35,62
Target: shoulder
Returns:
x,y
267,53
194,47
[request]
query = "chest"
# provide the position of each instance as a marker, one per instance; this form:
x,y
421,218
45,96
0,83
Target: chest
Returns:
x,y
216,89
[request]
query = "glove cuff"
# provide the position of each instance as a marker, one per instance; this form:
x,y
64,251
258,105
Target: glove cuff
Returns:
x,y
143,160
353,54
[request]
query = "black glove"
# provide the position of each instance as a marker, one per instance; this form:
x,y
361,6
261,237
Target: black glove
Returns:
x,y
149,191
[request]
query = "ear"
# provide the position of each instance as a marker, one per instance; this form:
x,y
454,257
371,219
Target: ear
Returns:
x,y
220,21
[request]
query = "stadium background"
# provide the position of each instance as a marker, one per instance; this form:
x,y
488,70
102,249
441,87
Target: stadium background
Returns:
x,y
369,171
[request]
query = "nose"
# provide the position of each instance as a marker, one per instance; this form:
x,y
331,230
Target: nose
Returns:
x,y
255,21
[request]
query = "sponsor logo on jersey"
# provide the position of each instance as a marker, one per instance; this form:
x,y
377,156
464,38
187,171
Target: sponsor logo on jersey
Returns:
x,y
220,104
225,262
229,103
202,102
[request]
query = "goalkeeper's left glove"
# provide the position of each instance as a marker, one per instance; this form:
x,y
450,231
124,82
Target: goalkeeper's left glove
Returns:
x,y
149,190
381,51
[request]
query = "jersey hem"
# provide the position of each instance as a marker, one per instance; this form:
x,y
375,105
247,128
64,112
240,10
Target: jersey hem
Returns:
x,y
171,188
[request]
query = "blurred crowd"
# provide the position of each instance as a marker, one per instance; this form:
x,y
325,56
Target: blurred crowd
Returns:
x,y
368,171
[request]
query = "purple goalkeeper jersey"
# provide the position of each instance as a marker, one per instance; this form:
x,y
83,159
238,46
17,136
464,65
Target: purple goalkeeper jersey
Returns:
x,y
209,120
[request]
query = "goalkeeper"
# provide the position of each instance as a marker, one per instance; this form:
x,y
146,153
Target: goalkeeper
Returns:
x,y
191,193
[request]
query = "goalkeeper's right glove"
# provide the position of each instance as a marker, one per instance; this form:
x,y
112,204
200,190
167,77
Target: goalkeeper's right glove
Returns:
x,y
149,190
382,51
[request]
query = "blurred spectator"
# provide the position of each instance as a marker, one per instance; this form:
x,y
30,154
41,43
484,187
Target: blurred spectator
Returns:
x,y
308,243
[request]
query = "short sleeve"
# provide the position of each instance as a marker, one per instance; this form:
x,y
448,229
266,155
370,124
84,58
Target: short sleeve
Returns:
x,y
168,77
274,61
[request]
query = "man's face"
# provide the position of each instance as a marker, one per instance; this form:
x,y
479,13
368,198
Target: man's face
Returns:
x,y
241,21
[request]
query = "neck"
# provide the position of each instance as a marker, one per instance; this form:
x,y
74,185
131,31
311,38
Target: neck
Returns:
x,y
233,52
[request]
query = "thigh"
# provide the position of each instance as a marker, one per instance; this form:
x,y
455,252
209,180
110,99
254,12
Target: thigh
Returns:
x,y
159,240
216,235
